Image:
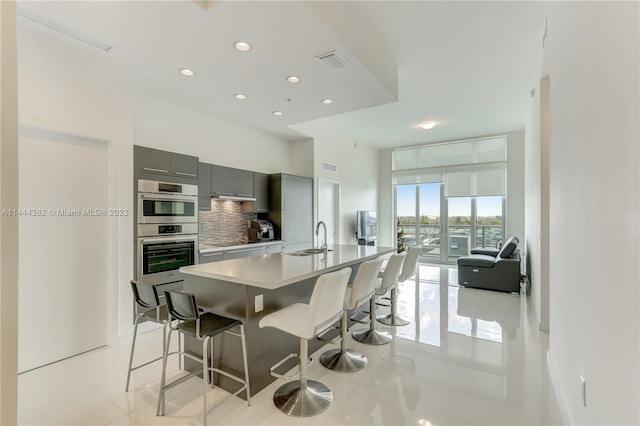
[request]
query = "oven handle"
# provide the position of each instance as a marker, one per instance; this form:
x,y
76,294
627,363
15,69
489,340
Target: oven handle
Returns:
x,y
168,240
170,197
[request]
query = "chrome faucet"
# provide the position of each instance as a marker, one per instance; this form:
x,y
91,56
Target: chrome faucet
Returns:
x,y
324,244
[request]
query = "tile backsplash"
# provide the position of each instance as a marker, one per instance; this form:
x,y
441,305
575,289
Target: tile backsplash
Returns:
x,y
224,224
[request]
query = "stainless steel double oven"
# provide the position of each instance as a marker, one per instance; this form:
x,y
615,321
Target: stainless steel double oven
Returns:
x,y
167,230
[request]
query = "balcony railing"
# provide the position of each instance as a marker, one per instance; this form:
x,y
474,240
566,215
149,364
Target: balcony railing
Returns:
x,y
460,241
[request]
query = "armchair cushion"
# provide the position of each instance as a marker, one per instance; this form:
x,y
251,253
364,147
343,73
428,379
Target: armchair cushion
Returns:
x,y
508,247
477,260
487,251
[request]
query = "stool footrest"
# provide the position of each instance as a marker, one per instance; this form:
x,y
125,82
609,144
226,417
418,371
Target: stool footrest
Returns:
x,y
272,369
384,301
332,336
361,317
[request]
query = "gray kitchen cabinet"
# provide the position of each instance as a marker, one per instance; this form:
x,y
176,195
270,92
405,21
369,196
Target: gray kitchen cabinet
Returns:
x,y
204,187
149,160
242,183
158,162
291,210
215,256
184,165
222,180
244,252
274,248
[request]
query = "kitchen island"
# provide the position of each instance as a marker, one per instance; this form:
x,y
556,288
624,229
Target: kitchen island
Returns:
x,y
249,288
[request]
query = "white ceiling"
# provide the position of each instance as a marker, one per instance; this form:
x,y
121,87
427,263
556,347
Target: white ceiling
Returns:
x,y
467,65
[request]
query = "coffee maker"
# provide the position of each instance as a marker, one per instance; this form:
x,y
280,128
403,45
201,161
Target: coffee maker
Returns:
x,y
260,231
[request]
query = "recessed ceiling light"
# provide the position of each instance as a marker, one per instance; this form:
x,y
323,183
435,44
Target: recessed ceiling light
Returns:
x,y
293,79
187,72
428,125
327,101
278,113
240,96
242,46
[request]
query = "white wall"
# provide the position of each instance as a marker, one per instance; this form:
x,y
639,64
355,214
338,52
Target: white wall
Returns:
x,y
301,157
531,243
515,185
594,209
386,208
356,173
165,125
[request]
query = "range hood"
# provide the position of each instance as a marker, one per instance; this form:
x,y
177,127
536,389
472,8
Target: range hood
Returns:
x,y
233,198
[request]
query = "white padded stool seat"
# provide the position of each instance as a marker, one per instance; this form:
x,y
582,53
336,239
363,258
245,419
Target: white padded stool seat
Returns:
x,y
306,398
408,269
371,336
362,289
294,319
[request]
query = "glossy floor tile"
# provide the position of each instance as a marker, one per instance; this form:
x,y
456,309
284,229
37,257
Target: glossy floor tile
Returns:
x,y
469,357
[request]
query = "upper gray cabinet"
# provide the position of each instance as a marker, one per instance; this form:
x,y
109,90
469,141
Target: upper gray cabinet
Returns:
x,y
231,182
165,163
221,180
184,165
204,187
243,183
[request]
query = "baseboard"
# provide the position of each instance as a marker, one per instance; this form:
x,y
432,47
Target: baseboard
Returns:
x,y
555,382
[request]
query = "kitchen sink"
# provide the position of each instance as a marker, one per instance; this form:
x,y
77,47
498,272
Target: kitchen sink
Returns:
x,y
298,253
307,252
313,251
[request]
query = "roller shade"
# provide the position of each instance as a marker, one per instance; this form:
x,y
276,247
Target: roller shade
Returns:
x,y
476,181
476,151
417,177
466,168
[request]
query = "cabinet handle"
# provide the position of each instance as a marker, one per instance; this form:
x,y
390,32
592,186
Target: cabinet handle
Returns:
x,y
211,254
185,174
149,169
242,251
245,195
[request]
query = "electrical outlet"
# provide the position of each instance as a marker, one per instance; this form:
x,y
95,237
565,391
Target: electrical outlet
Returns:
x,y
583,390
259,303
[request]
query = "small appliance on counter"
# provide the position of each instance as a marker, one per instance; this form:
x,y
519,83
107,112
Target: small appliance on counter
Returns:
x,y
260,230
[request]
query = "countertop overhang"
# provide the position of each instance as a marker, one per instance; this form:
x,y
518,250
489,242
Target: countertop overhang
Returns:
x,y
272,271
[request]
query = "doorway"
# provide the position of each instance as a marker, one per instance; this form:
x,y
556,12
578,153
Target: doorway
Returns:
x,y
329,209
63,247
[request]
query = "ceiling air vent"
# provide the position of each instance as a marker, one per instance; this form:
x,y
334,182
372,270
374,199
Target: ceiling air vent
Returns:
x,y
333,61
330,166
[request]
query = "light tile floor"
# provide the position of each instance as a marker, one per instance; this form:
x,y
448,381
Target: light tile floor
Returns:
x,y
469,357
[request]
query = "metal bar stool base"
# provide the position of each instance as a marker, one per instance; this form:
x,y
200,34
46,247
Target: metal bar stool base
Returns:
x,y
371,337
294,401
346,361
392,319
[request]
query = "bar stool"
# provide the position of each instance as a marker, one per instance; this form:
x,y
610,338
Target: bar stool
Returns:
x,y
363,287
371,336
147,306
187,318
306,398
408,269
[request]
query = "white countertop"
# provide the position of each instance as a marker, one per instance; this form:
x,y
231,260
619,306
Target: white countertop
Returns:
x,y
271,271
209,249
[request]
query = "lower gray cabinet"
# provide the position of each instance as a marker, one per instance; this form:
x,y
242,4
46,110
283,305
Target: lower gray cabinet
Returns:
x,y
244,252
215,256
274,248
